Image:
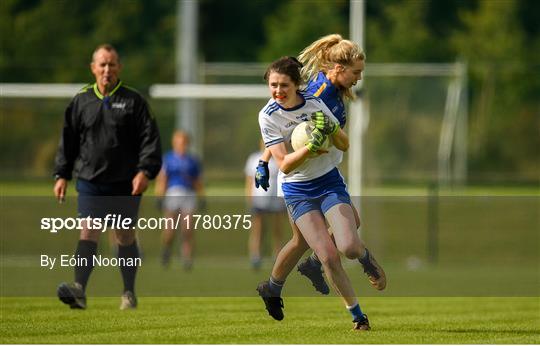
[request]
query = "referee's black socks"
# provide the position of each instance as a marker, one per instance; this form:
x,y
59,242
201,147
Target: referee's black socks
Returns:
x,y
129,272
86,249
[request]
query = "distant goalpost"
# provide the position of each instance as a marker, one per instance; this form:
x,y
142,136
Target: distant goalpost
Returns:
x,y
452,143
452,147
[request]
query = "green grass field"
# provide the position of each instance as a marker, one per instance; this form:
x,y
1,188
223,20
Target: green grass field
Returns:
x,y
243,320
236,188
484,288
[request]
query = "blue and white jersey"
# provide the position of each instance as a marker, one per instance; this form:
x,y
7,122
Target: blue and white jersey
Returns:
x,y
277,125
181,170
321,87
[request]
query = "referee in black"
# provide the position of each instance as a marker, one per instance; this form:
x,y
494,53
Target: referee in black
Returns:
x,y
111,141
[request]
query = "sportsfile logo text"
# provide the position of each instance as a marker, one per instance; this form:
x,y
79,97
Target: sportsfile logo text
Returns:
x,y
54,224
118,222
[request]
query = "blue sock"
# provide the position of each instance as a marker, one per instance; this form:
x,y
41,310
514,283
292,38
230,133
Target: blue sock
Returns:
x,y
314,260
275,286
356,312
256,262
364,258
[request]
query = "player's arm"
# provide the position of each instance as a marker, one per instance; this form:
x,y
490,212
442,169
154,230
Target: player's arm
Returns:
x,y
341,140
248,188
199,186
329,126
274,141
288,162
270,133
161,183
160,188
267,155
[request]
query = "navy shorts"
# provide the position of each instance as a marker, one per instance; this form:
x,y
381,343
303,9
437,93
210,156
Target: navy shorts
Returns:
x,y
319,194
97,200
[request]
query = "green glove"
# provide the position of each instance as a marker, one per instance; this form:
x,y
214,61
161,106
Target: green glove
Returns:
x,y
316,140
324,123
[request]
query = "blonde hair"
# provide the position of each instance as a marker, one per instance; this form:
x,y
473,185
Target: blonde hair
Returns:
x,y
327,51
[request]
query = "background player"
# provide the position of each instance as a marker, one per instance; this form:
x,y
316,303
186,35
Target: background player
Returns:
x,y
266,207
180,182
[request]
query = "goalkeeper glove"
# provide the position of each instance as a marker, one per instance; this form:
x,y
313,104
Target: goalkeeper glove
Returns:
x,y
262,175
324,123
316,140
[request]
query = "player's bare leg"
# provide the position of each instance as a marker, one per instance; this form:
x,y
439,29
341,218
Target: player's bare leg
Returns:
x,y
288,256
254,242
167,240
311,266
342,220
312,225
376,275
188,243
324,246
278,220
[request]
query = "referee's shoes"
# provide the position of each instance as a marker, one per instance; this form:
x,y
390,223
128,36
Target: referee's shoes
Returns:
x,y
72,294
128,301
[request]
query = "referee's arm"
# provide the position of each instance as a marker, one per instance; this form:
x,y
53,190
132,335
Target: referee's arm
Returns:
x,y
149,143
68,150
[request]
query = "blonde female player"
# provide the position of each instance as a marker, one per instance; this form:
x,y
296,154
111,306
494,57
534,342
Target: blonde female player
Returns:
x,y
332,65
313,189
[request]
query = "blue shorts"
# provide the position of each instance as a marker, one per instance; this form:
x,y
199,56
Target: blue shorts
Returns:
x,y
318,194
97,200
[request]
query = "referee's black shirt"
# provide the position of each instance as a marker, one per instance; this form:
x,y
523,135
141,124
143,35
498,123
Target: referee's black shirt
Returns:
x,y
108,139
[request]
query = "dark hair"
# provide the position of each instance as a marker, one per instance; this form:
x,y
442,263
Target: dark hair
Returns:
x,y
287,65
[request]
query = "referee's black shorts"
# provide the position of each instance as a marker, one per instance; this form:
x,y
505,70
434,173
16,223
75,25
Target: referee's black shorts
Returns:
x,y
97,200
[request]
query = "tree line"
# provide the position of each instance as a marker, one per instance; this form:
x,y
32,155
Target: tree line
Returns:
x,y
46,41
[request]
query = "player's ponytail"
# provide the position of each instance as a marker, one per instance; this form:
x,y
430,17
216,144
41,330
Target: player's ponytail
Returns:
x,y
315,57
327,51
295,61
